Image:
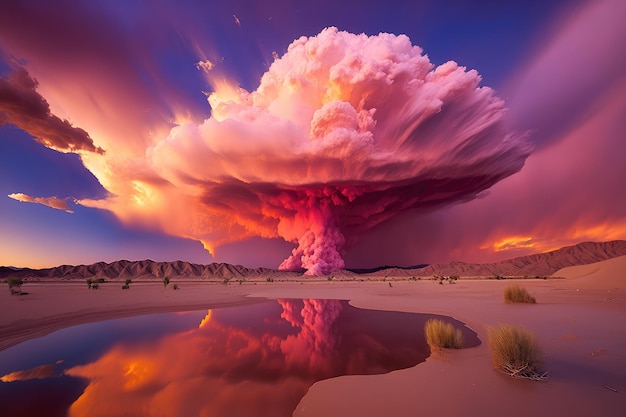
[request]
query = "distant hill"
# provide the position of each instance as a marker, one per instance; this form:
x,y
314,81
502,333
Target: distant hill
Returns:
x,y
147,269
542,264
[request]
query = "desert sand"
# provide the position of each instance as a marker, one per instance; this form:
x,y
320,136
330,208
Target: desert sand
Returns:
x,y
578,319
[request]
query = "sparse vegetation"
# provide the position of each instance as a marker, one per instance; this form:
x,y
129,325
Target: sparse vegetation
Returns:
x,y
166,281
127,284
330,277
175,286
498,277
516,352
15,286
442,335
516,294
268,279
93,283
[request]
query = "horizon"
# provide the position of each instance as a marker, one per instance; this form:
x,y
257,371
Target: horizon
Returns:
x,y
194,132
360,270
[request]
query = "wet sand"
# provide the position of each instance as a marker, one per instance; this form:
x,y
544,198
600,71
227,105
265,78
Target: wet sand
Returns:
x,y
579,322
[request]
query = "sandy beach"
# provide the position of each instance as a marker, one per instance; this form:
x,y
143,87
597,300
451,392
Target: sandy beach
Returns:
x,y
578,320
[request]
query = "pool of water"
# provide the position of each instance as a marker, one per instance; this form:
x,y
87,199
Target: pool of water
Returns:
x,y
256,360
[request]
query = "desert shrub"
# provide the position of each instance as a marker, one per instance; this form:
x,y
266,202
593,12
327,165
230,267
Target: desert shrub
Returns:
x,y
166,281
175,286
269,279
95,286
89,283
440,334
15,285
516,294
515,351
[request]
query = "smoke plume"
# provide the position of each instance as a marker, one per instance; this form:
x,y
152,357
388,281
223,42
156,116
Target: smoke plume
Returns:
x,y
344,132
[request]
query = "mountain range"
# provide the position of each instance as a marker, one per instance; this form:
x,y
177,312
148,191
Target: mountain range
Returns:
x,y
542,264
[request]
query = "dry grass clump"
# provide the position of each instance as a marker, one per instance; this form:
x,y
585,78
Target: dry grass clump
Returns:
x,y
516,294
516,352
442,335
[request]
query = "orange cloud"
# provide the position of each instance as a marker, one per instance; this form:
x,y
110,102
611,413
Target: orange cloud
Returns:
x,y
54,202
40,372
513,242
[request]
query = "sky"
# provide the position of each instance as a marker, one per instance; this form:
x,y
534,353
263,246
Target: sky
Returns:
x,y
309,134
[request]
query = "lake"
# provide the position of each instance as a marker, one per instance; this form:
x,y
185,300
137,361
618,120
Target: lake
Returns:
x,y
255,360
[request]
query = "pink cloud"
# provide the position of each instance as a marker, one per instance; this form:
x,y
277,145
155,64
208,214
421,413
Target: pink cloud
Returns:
x,y
571,96
344,132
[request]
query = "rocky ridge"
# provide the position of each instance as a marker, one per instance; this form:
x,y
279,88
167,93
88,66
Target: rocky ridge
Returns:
x,y
542,264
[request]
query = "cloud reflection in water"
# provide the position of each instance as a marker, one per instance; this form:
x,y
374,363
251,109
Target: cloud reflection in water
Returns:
x,y
258,360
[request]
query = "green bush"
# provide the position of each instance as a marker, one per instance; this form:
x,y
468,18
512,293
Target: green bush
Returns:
x,y
15,285
515,351
516,294
440,334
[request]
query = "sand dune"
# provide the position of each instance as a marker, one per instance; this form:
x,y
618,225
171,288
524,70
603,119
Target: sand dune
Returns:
x,y
602,275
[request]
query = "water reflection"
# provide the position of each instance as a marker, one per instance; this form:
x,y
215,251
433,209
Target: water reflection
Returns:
x,y
251,361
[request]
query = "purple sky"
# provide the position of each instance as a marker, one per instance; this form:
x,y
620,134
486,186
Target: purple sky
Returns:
x,y
109,149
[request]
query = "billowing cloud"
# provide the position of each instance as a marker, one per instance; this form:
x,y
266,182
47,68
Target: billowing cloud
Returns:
x,y
570,94
23,106
54,202
344,132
